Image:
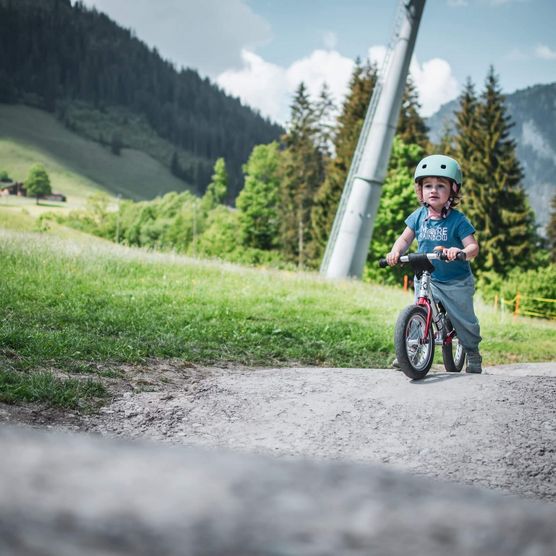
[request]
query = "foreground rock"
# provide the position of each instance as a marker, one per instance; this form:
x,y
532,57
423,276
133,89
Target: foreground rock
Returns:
x,y
71,494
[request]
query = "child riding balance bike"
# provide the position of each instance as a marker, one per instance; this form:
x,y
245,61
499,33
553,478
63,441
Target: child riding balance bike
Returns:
x,y
444,284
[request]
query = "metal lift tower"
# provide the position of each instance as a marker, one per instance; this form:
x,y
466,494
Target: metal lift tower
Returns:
x,y
349,241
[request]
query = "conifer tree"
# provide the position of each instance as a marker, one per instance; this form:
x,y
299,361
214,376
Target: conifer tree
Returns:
x,y
493,196
218,187
349,125
467,126
467,150
325,121
301,173
411,126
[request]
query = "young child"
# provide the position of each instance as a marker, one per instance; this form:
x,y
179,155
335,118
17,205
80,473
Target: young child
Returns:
x,y
438,182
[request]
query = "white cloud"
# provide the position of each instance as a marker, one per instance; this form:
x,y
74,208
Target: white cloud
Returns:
x,y
219,39
433,79
259,84
377,54
545,53
269,87
208,35
435,83
319,67
458,3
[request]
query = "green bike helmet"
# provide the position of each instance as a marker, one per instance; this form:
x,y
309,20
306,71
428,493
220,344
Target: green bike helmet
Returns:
x,y
440,166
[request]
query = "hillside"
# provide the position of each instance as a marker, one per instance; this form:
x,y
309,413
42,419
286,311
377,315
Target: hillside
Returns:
x,y
103,82
534,112
77,166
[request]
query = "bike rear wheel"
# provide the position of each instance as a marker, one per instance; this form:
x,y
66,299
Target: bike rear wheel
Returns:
x,y
453,353
414,349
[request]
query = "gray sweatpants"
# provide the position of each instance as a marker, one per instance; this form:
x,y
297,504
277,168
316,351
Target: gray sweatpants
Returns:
x,y
457,298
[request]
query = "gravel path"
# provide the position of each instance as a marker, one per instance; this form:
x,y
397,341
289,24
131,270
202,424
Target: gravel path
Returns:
x,y
497,429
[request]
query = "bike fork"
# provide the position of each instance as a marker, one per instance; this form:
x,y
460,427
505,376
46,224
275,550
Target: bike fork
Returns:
x,y
424,302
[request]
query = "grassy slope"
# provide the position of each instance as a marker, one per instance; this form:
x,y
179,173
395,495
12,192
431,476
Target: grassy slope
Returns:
x,y
75,307
87,300
78,167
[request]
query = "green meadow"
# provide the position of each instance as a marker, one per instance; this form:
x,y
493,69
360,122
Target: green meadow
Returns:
x,y
77,167
71,302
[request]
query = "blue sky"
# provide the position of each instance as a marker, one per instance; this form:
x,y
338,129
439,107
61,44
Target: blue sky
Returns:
x,y
259,50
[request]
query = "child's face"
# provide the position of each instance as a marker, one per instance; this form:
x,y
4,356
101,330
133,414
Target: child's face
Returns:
x,y
436,192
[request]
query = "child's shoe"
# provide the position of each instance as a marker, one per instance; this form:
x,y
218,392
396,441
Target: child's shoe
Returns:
x,y
396,365
474,361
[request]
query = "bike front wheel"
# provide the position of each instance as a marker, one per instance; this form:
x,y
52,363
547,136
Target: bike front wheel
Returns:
x,y
414,348
453,353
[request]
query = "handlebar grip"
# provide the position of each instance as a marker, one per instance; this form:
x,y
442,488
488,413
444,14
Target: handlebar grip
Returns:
x,y
382,263
460,256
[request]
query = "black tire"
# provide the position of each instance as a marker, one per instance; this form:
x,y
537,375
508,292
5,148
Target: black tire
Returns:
x,y
415,353
453,353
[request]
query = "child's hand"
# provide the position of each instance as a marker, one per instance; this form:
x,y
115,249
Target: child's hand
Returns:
x,y
452,253
393,257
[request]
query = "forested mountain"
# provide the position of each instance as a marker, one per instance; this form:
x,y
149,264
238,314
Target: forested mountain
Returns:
x,y
533,110
78,63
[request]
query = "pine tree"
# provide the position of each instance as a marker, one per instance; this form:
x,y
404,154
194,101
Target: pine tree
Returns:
x,y
218,187
493,196
411,126
325,122
467,126
301,172
349,125
257,203
467,151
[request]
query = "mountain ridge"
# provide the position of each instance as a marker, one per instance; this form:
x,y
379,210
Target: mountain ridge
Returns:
x,y
533,113
54,54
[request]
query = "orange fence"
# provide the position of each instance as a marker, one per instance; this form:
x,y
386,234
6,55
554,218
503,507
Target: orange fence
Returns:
x,y
518,306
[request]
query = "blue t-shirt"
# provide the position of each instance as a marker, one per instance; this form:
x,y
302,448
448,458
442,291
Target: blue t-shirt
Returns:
x,y
448,232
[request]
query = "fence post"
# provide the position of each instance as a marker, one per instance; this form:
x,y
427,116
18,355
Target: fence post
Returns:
x,y
496,303
517,302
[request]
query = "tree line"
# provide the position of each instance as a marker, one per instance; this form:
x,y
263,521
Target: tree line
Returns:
x,y
292,187
52,53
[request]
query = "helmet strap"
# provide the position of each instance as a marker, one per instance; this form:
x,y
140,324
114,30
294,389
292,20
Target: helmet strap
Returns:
x,y
443,213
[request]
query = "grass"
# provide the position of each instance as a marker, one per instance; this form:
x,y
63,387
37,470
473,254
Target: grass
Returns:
x,y
44,387
78,167
17,219
126,305
81,304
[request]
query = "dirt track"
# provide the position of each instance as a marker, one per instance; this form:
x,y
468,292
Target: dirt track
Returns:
x,y
497,429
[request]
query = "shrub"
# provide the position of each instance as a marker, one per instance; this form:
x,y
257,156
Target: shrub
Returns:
x,y
534,286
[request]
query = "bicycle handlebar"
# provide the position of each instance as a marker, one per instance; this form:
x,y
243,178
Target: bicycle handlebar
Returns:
x,y
437,256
